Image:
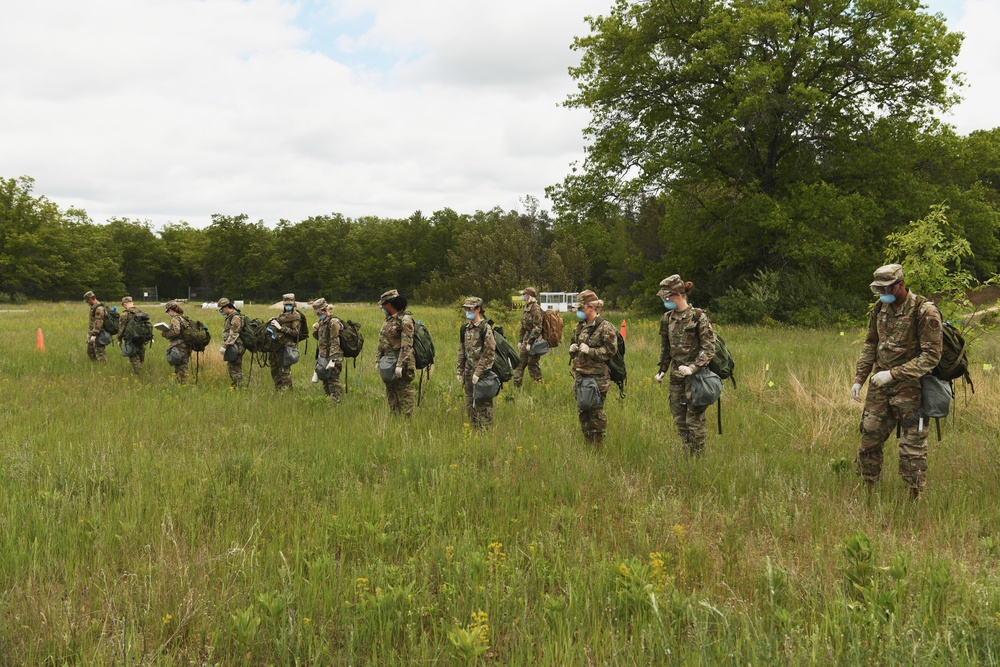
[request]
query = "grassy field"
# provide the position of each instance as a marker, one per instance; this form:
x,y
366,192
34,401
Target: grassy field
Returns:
x,y
146,523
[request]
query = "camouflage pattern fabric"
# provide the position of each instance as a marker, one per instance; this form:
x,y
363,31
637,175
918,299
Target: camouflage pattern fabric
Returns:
x,y
602,339
328,335
399,394
531,329
288,325
907,343
396,338
94,328
475,357
137,359
529,362
173,335
230,338
686,339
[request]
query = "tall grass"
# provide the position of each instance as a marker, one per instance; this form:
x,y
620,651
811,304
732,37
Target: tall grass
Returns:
x,y
148,523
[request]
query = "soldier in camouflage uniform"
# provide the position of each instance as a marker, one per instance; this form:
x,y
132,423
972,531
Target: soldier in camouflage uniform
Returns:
x,y
396,339
175,335
531,330
594,342
232,347
475,356
328,347
902,345
288,323
138,355
96,325
687,345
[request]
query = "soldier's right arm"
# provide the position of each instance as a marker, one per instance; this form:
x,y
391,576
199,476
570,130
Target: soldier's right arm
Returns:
x,y
233,335
867,360
536,323
406,342
175,328
98,321
665,343
126,316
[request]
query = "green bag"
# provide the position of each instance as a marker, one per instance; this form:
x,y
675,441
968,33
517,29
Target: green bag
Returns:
x,y
505,357
195,335
616,366
351,340
423,346
138,330
248,332
111,320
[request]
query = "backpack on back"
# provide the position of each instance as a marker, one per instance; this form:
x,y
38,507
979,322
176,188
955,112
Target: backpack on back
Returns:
x,y
505,356
111,320
954,359
138,329
552,327
722,363
423,346
195,335
248,331
351,340
616,366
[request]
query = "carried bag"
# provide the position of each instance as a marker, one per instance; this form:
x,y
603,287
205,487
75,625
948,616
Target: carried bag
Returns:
x,y
195,334
231,353
290,356
487,387
138,329
322,372
128,349
351,340
174,356
706,388
588,394
112,320
104,338
552,328
539,347
387,367
935,396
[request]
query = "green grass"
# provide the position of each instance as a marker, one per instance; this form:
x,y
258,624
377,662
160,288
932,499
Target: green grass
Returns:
x,y
146,523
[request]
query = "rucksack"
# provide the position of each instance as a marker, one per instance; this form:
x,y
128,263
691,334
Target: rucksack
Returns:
x,y
351,340
265,339
954,362
138,329
195,335
248,331
111,320
505,356
616,366
552,327
423,346
722,363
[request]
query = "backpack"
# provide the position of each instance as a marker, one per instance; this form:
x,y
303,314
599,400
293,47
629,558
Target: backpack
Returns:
x,y
616,366
111,320
265,340
248,332
303,327
722,363
138,329
954,362
423,346
351,340
552,327
505,357
195,335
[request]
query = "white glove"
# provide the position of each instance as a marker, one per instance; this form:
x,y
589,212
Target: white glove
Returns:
x,y
274,323
315,377
856,391
658,377
222,350
475,379
315,326
584,348
92,339
522,346
684,371
573,348
399,372
458,376
331,365
882,378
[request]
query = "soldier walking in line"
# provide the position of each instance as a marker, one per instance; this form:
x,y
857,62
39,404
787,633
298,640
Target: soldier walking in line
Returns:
x,y
687,345
594,342
903,344
328,347
395,339
138,356
98,311
178,353
232,349
289,324
531,330
476,350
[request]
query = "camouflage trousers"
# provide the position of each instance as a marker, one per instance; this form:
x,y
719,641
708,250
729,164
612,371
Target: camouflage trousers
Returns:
x,y
594,422
689,420
281,375
181,370
481,411
884,408
529,361
235,369
332,387
138,359
96,352
399,393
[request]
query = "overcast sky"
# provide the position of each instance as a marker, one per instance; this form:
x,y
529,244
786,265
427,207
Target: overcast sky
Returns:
x,y
170,110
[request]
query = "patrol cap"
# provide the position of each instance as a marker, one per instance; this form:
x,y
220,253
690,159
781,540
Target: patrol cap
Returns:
x,y
173,305
473,302
586,297
88,295
529,291
223,302
387,296
671,284
126,299
288,298
887,275
320,304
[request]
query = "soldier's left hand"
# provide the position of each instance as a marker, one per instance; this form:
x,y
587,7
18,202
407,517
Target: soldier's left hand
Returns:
x,y
399,372
658,377
475,379
584,348
222,350
92,339
573,348
331,365
882,378
684,371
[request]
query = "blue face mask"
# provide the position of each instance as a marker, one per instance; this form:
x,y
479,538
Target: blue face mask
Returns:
x,y
887,298
384,311
470,316
222,312
669,305
580,315
288,308
322,316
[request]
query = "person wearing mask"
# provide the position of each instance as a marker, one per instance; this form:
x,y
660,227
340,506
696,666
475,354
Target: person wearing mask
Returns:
x,y
531,330
687,345
178,353
594,342
232,349
395,340
138,356
476,349
328,347
98,311
288,326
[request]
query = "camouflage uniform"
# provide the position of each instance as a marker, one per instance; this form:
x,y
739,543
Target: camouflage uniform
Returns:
x,y
396,338
139,353
177,325
531,330
231,338
475,356
97,313
686,339
328,346
601,337
288,322
907,342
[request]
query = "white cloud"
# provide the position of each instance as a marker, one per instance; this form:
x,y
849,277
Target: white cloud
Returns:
x,y
978,61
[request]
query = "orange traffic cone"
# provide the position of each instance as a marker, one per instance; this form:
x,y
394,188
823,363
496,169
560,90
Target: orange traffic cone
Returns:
x,y
40,341
623,330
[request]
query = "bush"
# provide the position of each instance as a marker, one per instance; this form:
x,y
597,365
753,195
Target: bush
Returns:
x,y
802,299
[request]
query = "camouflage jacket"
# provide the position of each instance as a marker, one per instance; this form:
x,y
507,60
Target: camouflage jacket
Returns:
x,y
602,339
96,318
231,328
686,339
178,323
127,314
531,323
906,341
396,337
288,323
476,349
328,335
